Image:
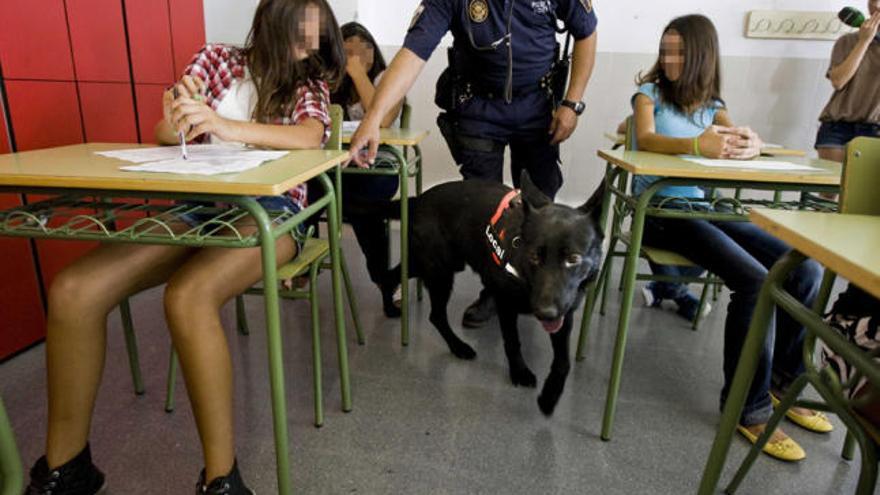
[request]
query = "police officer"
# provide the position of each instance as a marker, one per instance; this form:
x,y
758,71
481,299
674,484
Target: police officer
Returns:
x,y
504,86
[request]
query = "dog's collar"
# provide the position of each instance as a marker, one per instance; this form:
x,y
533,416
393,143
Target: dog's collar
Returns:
x,y
496,235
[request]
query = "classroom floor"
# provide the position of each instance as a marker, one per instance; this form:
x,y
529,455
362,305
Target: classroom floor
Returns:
x,y
423,421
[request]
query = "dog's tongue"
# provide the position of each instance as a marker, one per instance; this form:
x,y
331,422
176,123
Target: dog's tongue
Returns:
x,y
552,326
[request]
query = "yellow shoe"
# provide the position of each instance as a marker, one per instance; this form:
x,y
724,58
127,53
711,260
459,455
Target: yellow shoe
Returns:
x,y
818,422
784,450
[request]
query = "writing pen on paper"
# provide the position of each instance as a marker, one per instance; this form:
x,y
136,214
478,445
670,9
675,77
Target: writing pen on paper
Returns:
x,y
180,133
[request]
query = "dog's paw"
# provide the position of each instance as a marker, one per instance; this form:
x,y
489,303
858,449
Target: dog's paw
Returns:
x,y
547,403
522,376
463,351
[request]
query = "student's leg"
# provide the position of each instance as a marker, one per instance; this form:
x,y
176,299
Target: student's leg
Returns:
x,y
833,154
79,300
803,284
710,247
193,299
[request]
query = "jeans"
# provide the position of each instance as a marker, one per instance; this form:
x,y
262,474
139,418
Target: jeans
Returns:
x,y
742,254
672,290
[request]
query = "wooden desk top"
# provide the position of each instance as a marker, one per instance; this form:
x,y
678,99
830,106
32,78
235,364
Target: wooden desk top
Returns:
x,y
394,136
847,244
646,163
78,167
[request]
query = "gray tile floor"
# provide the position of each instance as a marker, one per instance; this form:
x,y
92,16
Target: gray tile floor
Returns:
x,y
425,422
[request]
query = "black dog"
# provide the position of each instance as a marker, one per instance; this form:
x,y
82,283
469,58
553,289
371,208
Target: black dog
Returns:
x,y
533,256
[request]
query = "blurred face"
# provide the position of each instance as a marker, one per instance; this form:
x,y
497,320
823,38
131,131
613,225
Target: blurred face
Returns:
x,y
355,46
873,7
672,55
309,30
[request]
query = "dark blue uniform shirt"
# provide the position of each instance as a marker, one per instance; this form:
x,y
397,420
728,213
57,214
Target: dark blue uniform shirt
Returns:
x,y
532,30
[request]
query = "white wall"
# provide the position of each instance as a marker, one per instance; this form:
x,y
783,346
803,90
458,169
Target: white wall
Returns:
x,y
777,87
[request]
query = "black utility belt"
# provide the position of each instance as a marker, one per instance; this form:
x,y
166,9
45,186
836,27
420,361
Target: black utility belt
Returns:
x,y
491,93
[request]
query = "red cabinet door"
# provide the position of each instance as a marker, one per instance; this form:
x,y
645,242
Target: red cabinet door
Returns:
x,y
108,112
33,40
43,114
97,36
187,31
21,309
4,133
149,35
149,109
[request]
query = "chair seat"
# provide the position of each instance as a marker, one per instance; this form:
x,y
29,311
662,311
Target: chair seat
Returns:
x,y
657,255
314,250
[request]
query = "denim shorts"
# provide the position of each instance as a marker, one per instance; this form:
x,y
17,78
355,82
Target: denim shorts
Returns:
x,y
269,203
838,134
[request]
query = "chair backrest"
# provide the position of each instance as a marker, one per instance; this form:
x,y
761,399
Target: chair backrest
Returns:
x,y
861,177
336,116
405,115
629,141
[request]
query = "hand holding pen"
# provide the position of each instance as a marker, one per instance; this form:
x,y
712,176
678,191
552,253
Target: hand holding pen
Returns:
x,y
190,114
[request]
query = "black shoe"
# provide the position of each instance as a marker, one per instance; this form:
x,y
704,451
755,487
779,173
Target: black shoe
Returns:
x,y
479,312
76,477
389,306
231,484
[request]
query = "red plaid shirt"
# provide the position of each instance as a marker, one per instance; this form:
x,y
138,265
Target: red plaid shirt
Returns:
x,y
220,65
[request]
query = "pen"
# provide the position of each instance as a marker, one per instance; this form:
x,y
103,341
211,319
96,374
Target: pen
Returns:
x,y
180,133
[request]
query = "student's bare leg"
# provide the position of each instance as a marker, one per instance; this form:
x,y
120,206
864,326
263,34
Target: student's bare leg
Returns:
x,y
833,154
193,300
80,298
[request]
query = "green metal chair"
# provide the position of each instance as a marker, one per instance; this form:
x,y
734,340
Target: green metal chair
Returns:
x,y
655,255
11,471
861,176
308,262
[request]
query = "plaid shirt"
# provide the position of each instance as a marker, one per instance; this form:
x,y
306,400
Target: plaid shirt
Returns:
x,y
220,65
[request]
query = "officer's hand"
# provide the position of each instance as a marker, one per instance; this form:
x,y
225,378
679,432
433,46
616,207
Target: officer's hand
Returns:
x,y
564,123
364,143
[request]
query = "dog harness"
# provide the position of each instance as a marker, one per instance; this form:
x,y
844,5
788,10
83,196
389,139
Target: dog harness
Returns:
x,y
496,234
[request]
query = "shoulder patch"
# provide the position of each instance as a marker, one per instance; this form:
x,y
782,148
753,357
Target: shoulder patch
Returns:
x,y
416,15
588,5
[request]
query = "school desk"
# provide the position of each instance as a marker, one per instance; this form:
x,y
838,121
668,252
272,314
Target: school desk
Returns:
x,y
844,244
390,139
674,171
11,472
83,207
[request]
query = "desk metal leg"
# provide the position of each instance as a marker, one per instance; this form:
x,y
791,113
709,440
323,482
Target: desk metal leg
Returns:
x,y
11,472
336,263
418,158
745,371
404,254
273,338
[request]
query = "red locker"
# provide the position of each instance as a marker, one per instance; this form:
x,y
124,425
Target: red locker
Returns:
x,y
21,310
187,31
97,36
4,134
149,109
149,34
33,40
107,112
43,114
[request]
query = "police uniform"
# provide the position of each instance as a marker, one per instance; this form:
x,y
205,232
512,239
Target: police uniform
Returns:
x,y
492,90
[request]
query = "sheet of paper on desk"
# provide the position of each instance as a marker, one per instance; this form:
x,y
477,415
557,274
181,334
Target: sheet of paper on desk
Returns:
x,y
349,126
203,159
752,164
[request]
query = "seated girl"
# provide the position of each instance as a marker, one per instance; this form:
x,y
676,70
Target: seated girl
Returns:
x,y
679,110
272,93
364,68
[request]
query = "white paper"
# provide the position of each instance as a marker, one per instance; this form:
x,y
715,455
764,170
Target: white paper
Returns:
x,y
349,126
751,164
202,159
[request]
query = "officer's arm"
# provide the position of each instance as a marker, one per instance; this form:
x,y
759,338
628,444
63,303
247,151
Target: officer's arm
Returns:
x,y
395,83
583,59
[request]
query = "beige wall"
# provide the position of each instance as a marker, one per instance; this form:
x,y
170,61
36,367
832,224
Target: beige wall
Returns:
x,y
780,98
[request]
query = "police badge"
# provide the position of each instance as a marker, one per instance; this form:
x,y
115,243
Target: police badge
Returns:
x,y
478,10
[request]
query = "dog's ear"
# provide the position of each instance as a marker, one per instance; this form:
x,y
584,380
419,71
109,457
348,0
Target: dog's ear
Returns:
x,y
531,195
593,206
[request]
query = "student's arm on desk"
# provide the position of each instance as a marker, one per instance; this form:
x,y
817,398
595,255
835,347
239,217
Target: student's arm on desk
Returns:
x,y
200,119
712,143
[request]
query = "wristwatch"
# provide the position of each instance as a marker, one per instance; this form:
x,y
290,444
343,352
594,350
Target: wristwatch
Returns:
x,y
577,106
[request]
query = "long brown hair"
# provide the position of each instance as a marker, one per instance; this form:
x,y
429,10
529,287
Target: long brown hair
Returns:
x,y
700,82
277,74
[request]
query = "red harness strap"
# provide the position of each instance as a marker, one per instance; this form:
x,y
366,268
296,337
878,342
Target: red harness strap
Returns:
x,y
503,205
